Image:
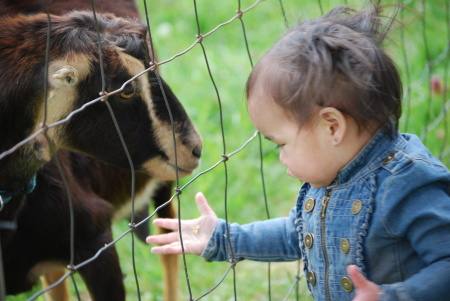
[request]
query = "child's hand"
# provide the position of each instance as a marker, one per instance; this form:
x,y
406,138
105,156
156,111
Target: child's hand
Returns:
x,y
196,232
365,289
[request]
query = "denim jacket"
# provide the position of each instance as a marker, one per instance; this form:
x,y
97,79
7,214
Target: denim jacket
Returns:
x,y
388,212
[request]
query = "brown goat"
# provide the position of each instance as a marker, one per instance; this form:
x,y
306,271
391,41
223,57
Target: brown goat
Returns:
x,y
41,241
97,196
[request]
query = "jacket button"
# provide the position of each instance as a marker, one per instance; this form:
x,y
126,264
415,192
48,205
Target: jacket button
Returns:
x,y
312,278
389,158
309,240
345,245
357,206
309,205
347,284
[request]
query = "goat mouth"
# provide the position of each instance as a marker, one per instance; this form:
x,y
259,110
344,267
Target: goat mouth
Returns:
x,y
167,170
180,169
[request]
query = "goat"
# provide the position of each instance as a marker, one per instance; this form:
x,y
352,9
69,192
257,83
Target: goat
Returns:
x,y
41,241
75,80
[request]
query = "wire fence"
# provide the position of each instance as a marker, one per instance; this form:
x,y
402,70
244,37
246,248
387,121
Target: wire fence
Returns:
x,y
422,58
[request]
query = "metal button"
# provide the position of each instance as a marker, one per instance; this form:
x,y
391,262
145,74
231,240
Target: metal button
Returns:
x,y
345,245
357,206
309,240
309,204
389,158
312,278
347,284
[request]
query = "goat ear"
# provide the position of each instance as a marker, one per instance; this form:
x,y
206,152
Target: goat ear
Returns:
x,y
65,76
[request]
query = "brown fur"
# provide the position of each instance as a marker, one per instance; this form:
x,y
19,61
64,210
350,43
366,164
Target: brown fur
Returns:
x,y
97,190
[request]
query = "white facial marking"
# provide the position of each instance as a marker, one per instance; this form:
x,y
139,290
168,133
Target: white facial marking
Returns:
x,y
159,167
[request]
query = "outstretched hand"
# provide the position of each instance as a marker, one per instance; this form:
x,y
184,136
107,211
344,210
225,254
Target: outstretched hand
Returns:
x,y
195,232
365,289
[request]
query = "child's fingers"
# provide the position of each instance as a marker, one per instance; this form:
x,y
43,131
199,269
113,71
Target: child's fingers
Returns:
x,y
163,238
174,248
167,223
356,276
365,289
203,205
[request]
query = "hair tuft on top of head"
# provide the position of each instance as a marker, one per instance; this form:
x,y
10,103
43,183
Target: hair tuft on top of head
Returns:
x,y
335,61
370,22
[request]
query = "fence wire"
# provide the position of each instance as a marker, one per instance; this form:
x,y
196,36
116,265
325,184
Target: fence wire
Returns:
x,y
425,86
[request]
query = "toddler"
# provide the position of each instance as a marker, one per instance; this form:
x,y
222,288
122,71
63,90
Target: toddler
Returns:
x,y
372,219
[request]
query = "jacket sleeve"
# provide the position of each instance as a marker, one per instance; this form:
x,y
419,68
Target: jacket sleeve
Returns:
x,y
423,218
270,240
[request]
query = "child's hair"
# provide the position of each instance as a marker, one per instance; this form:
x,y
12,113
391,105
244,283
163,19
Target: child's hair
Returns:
x,y
334,61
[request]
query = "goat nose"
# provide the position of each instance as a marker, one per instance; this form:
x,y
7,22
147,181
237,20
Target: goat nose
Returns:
x,y
197,152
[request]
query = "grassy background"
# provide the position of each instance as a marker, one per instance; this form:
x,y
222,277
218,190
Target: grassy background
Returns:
x,y
174,28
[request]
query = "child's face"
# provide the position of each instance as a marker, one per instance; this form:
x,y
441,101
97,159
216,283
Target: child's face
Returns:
x,y
304,151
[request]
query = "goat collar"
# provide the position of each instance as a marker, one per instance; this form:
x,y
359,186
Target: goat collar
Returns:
x,y
6,196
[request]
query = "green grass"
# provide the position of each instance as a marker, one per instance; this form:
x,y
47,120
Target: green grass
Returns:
x,y
174,30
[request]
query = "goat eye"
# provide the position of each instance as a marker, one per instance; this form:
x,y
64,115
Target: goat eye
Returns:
x,y
128,92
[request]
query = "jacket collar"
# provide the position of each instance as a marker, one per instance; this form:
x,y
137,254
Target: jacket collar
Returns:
x,y
379,148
